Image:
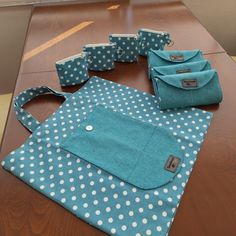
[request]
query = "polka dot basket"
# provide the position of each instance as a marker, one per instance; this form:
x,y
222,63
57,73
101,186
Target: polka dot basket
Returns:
x,y
101,196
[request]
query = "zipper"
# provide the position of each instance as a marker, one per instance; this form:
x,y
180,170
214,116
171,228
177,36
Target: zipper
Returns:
x,y
153,31
80,55
124,35
98,45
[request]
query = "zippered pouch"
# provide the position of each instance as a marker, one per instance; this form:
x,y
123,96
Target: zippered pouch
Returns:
x,y
100,56
188,89
72,70
126,47
152,39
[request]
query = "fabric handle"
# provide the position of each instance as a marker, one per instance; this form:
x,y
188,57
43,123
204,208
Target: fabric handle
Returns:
x,y
26,96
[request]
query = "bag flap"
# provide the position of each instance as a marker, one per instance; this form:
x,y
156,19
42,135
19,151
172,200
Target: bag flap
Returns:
x,y
189,81
139,153
176,56
180,68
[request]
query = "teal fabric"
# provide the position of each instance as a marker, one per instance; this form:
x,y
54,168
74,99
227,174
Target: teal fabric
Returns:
x,y
126,47
126,147
72,70
180,68
96,195
172,94
26,119
151,39
163,58
100,57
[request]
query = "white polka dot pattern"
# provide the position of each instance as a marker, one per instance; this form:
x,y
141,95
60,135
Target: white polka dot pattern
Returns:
x,y
126,47
72,70
149,39
100,56
93,194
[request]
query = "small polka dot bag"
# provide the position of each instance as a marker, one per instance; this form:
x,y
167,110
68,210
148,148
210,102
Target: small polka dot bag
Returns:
x,y
152,39
100,57
110,156
72,70
126,47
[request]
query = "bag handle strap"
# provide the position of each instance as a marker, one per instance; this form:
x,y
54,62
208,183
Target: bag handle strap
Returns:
x,y
26,96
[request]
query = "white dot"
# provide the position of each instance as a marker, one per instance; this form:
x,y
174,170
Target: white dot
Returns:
x,y
100,222
160,203
164,213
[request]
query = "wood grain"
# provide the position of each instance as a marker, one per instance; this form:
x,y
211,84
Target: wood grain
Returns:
x,y
48,22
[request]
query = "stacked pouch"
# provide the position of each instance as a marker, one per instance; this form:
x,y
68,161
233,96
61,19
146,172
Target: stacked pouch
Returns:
x,y
183,78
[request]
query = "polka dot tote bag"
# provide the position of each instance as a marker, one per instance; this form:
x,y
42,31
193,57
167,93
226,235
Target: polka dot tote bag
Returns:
x,y
131,188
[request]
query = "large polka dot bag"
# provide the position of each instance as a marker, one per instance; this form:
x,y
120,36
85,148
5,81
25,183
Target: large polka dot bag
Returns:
x,y
110,156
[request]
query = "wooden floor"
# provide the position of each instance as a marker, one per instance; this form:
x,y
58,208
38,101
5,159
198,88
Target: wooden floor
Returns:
x,y
208,207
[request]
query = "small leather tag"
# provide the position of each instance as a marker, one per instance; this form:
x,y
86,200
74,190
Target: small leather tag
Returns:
x,y
178,57
181,71
189,83
172,163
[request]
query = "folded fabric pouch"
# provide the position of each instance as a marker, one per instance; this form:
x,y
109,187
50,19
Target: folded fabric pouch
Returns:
x,y
142,154
126,47
100,56
188,89
152,39
180,68
166,58
72,70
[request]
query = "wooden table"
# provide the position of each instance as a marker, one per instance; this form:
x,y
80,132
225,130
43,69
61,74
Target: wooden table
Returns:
x,y
208,206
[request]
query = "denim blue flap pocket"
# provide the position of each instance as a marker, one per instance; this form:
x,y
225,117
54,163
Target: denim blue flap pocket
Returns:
x,y
181,68
139,153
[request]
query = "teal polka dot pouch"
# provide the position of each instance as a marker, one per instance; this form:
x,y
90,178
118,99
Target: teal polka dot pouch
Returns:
x,y
100,57
126,47
152,39
72,70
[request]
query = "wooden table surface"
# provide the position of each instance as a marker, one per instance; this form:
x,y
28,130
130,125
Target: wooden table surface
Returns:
x,y
208,207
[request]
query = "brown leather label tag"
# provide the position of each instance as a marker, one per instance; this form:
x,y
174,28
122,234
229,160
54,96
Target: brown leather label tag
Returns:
x,y
172,163
189,83
181,71
178,57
